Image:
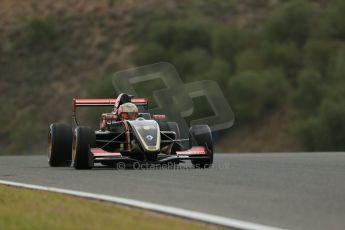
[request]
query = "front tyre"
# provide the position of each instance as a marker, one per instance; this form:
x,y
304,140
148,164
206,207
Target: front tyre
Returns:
x,y
60,145
200,135
84,139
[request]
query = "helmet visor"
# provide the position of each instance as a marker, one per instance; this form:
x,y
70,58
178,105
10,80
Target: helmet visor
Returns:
x,y
129,115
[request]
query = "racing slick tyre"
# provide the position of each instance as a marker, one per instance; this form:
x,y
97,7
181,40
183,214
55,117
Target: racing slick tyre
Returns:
x,y
60,145
84,139
163,125
200,135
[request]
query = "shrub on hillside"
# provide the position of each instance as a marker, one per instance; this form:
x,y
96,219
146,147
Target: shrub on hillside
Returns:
x,y
193,61
286,56
336,67
249,59
219,71
252,94
308,95
276,88
332,23
182,42
319,52
22,137
226,43
42,34
101,88
150,53
330,128
325,130
246,95
290,22
180,35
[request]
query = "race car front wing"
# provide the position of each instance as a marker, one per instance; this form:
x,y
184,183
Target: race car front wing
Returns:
x,y
196,152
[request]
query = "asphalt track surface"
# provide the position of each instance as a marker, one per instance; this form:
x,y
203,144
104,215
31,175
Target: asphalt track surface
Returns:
x,y
284,190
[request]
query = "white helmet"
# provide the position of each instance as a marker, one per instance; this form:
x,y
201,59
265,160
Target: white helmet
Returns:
x,y
128,111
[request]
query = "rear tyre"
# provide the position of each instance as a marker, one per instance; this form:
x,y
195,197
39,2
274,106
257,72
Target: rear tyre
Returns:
x,y
163,125
200,135
84,139
60,145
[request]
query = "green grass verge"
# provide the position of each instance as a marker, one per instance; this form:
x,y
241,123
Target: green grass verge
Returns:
x,y
29,209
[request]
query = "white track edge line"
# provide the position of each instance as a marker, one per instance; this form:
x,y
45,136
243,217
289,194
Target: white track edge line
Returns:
x,y
203,217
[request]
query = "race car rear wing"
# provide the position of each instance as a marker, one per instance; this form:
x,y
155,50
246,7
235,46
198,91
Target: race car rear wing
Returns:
x,y
90,102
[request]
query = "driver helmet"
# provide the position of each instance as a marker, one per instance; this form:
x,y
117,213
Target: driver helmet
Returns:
x,y
128,111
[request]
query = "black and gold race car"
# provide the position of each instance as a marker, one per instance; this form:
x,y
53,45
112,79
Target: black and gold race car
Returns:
x,y
129,134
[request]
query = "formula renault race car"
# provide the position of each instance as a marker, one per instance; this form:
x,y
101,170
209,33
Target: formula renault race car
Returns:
x,y
127,135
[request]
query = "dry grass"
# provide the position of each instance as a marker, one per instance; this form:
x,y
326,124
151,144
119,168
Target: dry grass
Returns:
x,y
29,209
